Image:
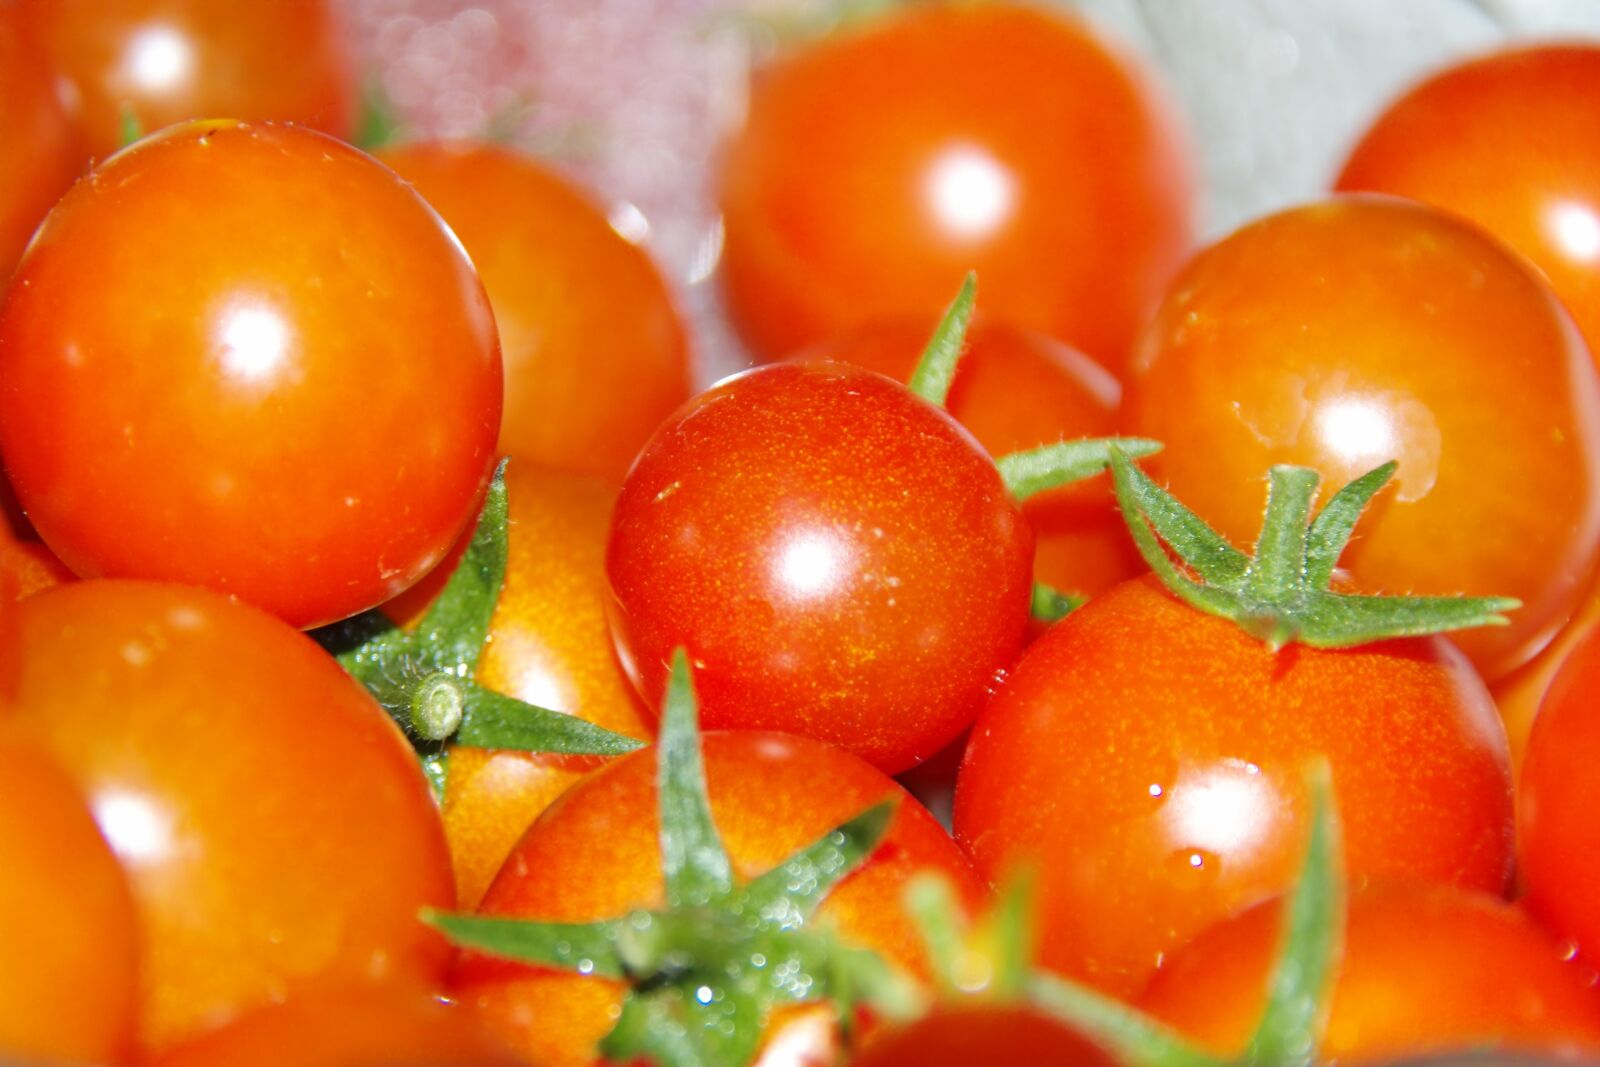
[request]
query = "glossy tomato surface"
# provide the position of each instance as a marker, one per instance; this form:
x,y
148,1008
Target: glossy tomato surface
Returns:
x,y
274,823
162,61
1017,389
839,557
549,645
1560,843
1426,969
290,395
1347,333
993,1035
1508,141
362,1026
40,153
1149,761
595,855
879,165
594,351
68,975
1519,694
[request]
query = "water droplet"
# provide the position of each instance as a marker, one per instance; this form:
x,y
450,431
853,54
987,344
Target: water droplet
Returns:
x,y
703,994
1568,950
1156,790
585,966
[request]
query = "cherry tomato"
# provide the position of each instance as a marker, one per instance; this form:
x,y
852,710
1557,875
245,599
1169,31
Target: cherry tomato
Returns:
x,y
595,855
879,165
1508,141
839,557
69,970
1426,968
250,358
594,350
1351,332
1519,694
274,823
39,153
363,1026
995,1035
549,645
1148,760
1017,389
31,565
163,61
1560,848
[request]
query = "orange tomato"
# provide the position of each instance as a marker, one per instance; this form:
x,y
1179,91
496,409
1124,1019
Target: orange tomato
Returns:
x,y
1148,759
39,153
1347,333
594,351
274,823
595,855
549,644
992,1035
1426,969
1519,694
163,61
68,975
879,165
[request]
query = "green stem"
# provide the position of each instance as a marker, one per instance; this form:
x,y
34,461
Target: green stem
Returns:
x,y
936,369
1278,572
695,864
1035,470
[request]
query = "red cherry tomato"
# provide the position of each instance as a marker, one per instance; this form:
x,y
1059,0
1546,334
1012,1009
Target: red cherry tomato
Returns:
x,y
163,61
549,644
993,1035
1142,745
879,165
1560,845
1363,329
1508,141
594,351
1017,389
274,823
595,855
68,975
379,1026
250,358
1426,969
839,557
1519,694
39,153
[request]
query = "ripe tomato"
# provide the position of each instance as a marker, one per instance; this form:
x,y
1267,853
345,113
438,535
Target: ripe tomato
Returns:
x,y
31,565
994,1035
68,974
274,823
595,855
1426,968
839,557
594,351
1508,141
163,61
548,645
1519,694
1560,848
363,1026
1017,389
39,153
290,396
1142,745
998,137
1363,329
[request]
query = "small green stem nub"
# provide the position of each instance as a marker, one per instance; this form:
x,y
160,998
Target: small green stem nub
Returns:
x,y
936,369
437,706
1053,605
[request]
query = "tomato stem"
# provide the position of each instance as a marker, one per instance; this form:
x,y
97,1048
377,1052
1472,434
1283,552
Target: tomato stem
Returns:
x,y
436,707
936,368
1035,470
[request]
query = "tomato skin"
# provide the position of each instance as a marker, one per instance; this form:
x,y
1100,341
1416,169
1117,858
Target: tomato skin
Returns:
x,y
171,60
39,152
1519,694
1162,752
1506,140
274,824
595,854
549,644
839,557
994,1035
363,1026
1017,389
594,351
291,396
837,214
69,972
1426,968
1299,340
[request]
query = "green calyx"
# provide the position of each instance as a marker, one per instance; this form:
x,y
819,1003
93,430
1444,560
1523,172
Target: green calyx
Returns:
x,y
708,968
1053,605
1299,991
992,959
1282,593
424,677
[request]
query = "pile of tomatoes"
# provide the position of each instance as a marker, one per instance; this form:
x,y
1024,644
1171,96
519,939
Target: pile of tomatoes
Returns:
x,y
331,739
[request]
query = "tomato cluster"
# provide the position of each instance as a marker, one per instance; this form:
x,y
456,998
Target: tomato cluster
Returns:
x,y
329,740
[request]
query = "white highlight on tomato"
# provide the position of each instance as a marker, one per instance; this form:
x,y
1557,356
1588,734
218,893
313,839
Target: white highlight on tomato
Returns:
x,y
970,191
1575,227
254,342
157,59
135,829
